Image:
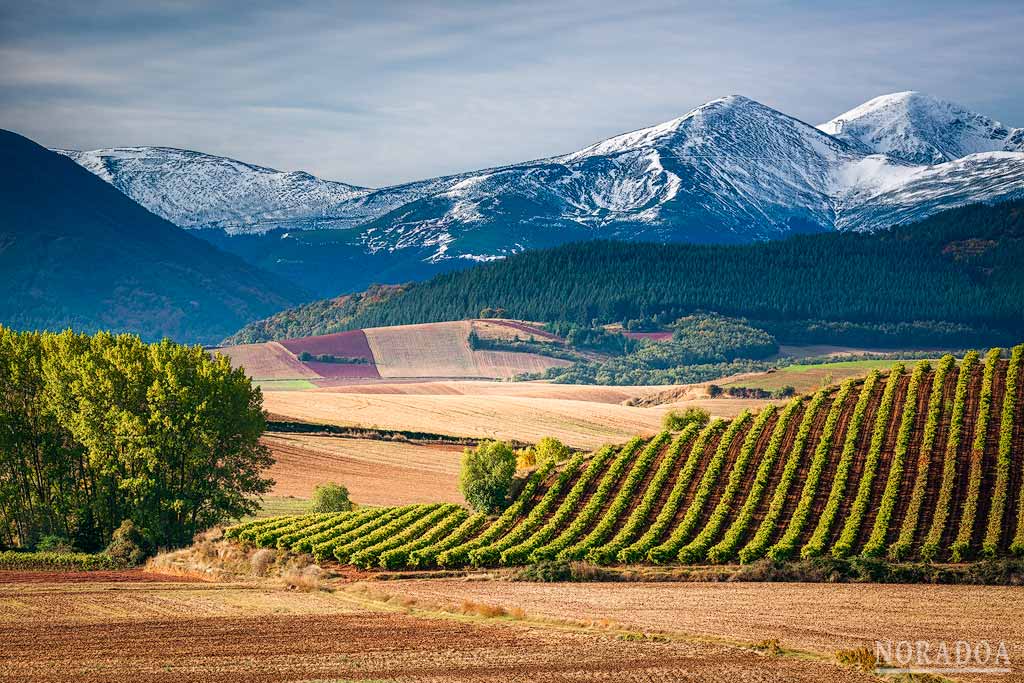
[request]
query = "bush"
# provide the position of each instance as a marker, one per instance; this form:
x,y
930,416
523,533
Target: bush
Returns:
x,y
486,477
331,497
130,544
54,544
678,420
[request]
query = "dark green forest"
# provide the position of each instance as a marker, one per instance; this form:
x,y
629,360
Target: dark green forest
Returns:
x,y
955,278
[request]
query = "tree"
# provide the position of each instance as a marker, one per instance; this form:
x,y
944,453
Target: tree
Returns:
x,y
677,420
550,448
486,476
331,497
96,430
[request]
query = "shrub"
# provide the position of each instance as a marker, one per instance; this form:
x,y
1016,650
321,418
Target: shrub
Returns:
x,y
678,420
54,544
331,497
130,544
486,477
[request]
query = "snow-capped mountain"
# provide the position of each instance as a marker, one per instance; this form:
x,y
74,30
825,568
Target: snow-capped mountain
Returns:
x,y
195,190
732,170
921,129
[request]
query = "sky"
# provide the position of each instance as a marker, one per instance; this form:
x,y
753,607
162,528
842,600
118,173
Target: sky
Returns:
x,y
378,93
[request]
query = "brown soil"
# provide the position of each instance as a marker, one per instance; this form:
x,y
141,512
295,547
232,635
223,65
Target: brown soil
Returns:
x,y
375,472
172,633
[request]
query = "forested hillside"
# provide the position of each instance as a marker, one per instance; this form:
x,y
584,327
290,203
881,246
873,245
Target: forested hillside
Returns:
x,y
917,464
954,278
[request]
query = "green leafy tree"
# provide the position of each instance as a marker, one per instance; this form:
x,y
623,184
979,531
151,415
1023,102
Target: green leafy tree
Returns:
x,y
331,497
486,477
678,420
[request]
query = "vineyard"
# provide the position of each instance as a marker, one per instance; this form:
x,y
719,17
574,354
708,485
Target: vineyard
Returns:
x,y
923,462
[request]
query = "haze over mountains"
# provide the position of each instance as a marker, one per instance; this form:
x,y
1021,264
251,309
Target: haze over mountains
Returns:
x,y
732,170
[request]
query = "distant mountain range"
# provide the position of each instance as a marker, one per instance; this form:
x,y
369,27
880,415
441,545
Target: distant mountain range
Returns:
x,y
732,170
74,252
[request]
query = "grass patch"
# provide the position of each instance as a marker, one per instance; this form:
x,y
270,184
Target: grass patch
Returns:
x,y
285,384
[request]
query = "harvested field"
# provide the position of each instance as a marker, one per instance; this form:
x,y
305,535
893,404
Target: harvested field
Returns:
x,y
585,425
349,344
343,370
375,472
224,632
512,363
267,361
511,329
821,618
581,416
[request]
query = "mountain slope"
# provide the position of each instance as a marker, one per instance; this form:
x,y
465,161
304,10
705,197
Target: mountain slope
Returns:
x,y
959,270
921,129
730,171
76,252
195,190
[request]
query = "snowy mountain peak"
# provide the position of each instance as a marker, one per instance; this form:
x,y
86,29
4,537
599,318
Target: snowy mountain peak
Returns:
x,y
921,129
193,189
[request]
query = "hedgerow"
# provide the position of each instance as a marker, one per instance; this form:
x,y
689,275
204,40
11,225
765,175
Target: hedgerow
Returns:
x,y
694,550
755,549
582,521
930,547
1004,458
785,547
815,547
962,544
620,503
519,553
639,549
851,528
726,548
638,517
875,546
669,548
458,556
57,561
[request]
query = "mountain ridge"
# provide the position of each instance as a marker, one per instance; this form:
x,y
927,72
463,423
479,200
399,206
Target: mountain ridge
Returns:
x,y
732,170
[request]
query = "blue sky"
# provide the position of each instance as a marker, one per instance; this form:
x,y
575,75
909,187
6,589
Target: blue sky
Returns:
x,y
383,92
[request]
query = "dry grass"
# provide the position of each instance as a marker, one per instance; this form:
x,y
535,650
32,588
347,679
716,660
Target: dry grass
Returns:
x,y
267,361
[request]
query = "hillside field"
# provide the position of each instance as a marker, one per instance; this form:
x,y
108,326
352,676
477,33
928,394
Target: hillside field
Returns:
x,y
427,351
916,463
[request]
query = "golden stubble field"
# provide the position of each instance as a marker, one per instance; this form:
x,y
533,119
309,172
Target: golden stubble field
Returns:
x,y
581,416
118,629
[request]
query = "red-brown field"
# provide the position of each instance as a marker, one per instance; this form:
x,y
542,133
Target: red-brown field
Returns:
x,y
172,631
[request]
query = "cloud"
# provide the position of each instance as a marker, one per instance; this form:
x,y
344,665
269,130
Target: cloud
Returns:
x,y
381,93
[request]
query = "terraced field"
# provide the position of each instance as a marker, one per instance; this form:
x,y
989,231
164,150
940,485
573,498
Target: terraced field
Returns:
x,y
920,462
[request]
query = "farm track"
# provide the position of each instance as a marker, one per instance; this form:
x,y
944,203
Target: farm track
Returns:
x,y
681,525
